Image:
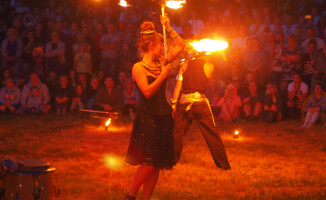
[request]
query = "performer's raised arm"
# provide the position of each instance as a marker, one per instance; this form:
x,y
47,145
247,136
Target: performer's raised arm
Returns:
x,y
178,45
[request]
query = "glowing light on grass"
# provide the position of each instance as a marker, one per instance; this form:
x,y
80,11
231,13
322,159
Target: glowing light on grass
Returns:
x,y
236,134
112,162
175,4
107,123
209,46
123,3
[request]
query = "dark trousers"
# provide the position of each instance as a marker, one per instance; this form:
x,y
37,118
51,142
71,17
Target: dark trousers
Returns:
x,y
201,113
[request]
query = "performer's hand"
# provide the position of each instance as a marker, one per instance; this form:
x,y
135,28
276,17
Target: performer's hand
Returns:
x,y
166,70
165,21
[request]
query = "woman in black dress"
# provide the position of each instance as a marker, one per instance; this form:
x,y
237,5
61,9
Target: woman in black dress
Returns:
x,y
151,143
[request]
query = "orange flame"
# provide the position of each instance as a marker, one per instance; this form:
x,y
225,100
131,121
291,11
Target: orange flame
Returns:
x,y
236,134
209,45
108,122
123,3
175,4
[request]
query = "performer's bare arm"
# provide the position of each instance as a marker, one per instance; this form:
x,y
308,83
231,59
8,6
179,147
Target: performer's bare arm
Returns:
x,y
140,76
178,87
178,45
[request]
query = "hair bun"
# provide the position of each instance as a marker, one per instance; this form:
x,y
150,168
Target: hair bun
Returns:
x,y
147,26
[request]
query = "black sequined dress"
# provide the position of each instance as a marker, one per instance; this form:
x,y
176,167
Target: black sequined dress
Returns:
x,y
151,141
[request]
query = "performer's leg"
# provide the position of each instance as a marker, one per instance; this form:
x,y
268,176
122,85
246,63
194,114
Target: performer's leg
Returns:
x,y
181,126
205,122
142,174
150,183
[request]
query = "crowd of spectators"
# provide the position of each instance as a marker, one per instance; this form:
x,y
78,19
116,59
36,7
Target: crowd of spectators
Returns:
x,y
79,55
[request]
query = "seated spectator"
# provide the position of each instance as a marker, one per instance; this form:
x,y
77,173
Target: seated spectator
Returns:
x,y
91,93
79,99
308,64
9,96
130,98
297,93
230,104
5,74
82,60
109,97
314,106
43,93
34,101
122,78
272,104
63,94
252,102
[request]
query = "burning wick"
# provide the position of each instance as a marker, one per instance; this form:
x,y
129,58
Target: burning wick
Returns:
x,y
236,134
175,4
123,3
107,123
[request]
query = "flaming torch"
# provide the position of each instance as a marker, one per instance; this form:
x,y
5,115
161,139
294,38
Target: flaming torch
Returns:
x,y
174,5
107,123
209,46
123,3
236,134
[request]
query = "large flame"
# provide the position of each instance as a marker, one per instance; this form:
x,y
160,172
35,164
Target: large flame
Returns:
x,y
175,4
123,3
108,122
209,45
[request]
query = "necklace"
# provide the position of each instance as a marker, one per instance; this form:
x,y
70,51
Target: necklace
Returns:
x,y
153,69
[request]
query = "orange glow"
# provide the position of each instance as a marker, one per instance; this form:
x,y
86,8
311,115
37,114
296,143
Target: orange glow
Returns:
x,y
107,123
209,45
175,4
236,134
123,3
112,162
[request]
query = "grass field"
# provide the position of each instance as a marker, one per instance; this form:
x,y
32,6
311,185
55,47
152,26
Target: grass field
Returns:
x,y
269,161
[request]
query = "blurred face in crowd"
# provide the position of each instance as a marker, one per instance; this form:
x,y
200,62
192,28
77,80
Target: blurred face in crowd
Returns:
x,y
253,87
85,31
109,82
17,24
318,90
110,28
79,89
63,81
80,38
74,27
311,33
82,78
279,38
72,75
100,75
30,35
270,89
9,83
12,34
99,28
6,73
38,28
34,79
55,36
122,77
292,42
59,26
296,79
35,92
94,83
250,77
311,48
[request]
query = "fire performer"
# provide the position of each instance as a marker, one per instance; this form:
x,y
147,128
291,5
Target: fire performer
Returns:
x,y
151,144
194,76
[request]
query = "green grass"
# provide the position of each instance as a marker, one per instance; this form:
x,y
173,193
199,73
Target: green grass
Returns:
x,y
269,161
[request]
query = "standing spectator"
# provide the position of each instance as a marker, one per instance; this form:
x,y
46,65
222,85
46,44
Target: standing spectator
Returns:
x,y
272,104
9,96
311,34
83,63
109,51
82,79
315,105
6,73
291,58
252,102
11,51
79,99
63,95
122,78
230,104
43,93
255,61
276,55
297,93
109,97
29,45
55,50
319,66
91,92
307,63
